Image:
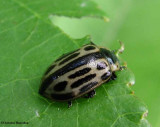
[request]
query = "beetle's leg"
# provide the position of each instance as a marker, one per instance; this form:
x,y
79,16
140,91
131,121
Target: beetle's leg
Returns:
x,y
113,77
69,104
91,94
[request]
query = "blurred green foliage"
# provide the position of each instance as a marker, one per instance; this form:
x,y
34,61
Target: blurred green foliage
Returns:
x,y
137,24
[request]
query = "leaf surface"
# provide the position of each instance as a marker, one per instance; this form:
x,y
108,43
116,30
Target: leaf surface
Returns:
x,y
29,43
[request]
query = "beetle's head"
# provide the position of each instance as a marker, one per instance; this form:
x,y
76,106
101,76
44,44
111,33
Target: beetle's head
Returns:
x,y
112,58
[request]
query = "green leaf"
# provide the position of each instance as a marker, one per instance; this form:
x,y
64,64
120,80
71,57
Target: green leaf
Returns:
x,y
29,43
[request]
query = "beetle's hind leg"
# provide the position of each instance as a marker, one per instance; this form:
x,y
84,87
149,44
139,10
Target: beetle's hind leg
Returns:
x,y
91,94
69,104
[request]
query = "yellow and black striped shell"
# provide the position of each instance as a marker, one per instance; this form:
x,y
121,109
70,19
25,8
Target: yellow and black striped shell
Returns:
x,y
77,73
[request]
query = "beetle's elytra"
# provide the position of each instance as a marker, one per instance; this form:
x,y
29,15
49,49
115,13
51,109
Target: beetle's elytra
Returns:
x,y
80,72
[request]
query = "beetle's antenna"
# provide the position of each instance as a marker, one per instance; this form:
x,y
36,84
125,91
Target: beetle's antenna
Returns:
x,y
121,49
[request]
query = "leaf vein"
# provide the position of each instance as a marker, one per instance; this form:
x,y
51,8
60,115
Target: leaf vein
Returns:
x,y
31,33
77,115
109,97
37,46
27,8
26,20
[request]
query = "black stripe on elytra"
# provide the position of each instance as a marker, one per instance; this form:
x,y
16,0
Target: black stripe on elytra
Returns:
x,y
65,96
106,75
88,87
83,80
80,73
80,61
49,69
101,65
89,48
60,86
69,58
66,55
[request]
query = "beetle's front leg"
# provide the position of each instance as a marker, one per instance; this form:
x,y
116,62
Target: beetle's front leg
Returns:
x,y
113,77
91,94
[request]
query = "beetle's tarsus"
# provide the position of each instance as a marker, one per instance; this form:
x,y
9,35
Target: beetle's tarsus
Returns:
x,y
69,104
91,94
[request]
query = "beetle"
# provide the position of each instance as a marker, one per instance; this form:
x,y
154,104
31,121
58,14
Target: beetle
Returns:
x,y
79,72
